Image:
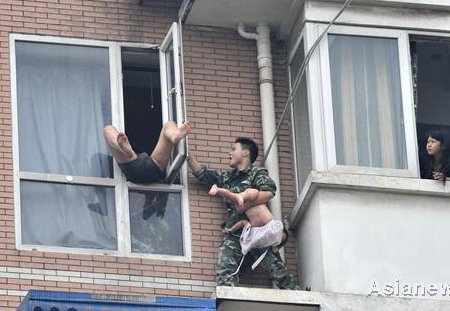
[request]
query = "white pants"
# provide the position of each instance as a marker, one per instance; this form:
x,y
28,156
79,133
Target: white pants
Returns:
x,y
261,237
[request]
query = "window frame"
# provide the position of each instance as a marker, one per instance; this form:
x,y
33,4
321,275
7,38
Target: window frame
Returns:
x,y
172,38
300,41
330,162
119,182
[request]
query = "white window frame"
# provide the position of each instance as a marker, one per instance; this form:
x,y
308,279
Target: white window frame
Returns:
x,y
327,126
301,40
119,181
172,37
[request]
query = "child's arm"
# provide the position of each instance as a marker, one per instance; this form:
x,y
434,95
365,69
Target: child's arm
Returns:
x,y
237,199
243,200
262,198
240,224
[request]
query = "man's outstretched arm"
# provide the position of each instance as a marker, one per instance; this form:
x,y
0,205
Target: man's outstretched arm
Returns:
x,y
204,175
193,164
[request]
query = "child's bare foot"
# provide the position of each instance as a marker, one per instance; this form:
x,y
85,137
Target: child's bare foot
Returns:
x,y
214,189
124,144
179,133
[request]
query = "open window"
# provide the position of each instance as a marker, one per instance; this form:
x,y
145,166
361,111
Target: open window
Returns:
x,y
147,102
141,97
70,195
430,58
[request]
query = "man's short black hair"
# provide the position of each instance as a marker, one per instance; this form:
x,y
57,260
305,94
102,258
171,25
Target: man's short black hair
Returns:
x,y
250,145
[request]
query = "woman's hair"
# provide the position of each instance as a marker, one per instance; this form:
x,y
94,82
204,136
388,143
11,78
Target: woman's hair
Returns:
x,y
436,134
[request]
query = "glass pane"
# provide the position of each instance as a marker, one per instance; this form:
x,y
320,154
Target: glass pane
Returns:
x,y
155,221
68,215
64,101
301,120
297,62
302,134
367,102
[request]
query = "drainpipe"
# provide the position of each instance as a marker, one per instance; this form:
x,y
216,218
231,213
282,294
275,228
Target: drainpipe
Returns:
x,y
262,37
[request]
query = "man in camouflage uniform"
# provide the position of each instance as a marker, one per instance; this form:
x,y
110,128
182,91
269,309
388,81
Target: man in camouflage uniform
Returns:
x,y
243,176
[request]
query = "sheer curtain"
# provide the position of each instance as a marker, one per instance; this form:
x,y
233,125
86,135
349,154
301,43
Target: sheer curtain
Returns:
x,y
63,103
367,103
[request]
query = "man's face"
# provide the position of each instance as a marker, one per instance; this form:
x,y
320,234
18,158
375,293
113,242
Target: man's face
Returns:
x,y
237,155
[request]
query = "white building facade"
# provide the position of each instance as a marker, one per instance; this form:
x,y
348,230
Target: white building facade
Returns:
x,y
365,222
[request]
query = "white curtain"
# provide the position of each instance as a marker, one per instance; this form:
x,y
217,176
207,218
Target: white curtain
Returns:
x,y
367,103
63,104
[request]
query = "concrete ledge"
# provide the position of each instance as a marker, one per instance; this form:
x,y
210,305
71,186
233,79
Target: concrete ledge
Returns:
x,y
422,4
240,298
386,184
412,15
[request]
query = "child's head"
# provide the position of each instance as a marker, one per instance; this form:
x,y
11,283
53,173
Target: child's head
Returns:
x,y
284,238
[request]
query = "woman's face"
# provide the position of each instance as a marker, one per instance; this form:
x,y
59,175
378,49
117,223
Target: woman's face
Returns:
x,y
434,146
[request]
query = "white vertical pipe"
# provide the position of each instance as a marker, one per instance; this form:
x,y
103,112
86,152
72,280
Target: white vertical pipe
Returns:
x,y
265,68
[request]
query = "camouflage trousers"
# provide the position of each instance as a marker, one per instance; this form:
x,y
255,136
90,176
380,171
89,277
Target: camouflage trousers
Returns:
x,y
230,255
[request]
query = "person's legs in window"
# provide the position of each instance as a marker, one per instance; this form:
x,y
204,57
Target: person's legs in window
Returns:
x,y
170,135
119,145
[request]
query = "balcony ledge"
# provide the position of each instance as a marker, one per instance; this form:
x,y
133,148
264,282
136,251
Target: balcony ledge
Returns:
x,y
410,186
261,299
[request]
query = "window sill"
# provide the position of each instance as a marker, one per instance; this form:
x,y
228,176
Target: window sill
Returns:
x,y
99,252
349,181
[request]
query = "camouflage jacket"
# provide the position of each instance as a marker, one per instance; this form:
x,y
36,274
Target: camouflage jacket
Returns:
x,y
237,181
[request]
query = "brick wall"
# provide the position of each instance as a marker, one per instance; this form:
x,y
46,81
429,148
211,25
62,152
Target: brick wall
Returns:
x,y
222,101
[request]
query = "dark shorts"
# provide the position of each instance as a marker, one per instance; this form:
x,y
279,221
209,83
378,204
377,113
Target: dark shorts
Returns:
x,y
142,170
